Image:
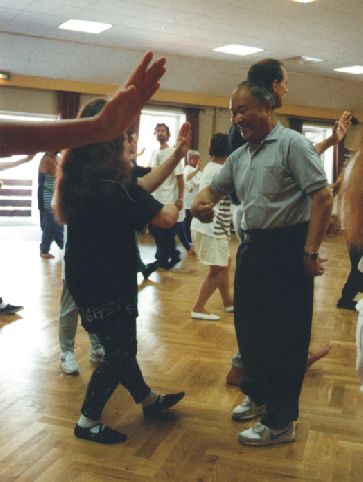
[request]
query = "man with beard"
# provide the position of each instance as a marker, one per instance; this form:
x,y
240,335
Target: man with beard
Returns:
x,y
170,192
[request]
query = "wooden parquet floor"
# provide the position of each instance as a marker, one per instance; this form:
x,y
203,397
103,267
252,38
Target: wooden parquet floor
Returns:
x,y
195,442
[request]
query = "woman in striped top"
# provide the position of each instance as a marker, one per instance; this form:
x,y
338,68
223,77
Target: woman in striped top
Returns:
x,y
211,240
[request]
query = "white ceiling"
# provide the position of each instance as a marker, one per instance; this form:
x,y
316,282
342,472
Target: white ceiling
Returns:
x,y
186,32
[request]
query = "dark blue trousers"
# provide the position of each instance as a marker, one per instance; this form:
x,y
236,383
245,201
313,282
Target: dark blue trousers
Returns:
x,y
51,230
273,302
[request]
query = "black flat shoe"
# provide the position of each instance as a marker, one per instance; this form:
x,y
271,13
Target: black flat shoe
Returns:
x,y
105,435
163,402
150,268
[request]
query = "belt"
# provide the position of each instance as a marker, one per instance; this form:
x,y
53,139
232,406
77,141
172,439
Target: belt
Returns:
x,y
268,237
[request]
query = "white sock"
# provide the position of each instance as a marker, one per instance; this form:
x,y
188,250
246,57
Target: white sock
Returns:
x,y
150,399
85,422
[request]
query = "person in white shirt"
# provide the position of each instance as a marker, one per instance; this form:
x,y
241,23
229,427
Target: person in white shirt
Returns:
x,y
192,176
171,191
211,240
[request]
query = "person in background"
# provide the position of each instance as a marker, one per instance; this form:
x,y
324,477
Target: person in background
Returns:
x,y
354,282
51,230
8,308
170,191
137,172
353,220
211,240
192,175
68,322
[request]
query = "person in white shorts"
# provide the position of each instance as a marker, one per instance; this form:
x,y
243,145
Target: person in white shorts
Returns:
x,y
211,240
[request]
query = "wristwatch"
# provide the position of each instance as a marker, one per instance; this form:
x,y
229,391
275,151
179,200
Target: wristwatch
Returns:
x,y
311,254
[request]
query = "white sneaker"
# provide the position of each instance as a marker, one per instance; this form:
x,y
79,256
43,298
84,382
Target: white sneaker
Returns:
x,y
229,309
247,410
68,363
260,434
204,316
96,354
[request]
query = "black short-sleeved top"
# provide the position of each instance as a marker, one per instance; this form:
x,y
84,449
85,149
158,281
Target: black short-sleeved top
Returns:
x,y
100,256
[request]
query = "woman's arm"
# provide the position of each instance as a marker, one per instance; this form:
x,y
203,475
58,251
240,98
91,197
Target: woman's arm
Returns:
x,y
116,116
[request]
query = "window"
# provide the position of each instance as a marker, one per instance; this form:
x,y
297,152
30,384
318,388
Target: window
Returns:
x,y
149,118
18,196
317,134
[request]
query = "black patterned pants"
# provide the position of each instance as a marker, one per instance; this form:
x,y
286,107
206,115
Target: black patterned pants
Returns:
x,y
115,326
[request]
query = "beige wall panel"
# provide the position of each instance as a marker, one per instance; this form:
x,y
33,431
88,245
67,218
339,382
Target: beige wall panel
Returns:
x,y
28,100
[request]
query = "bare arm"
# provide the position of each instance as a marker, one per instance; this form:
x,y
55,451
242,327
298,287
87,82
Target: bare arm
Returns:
x,y
116,116
179,201
321,207
158,175
340,130
166,217
10,165
202,206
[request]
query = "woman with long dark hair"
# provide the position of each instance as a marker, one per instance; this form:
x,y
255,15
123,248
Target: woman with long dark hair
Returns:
x,y
103,207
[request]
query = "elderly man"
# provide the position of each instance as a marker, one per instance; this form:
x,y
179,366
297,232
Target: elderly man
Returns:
x,y
279,178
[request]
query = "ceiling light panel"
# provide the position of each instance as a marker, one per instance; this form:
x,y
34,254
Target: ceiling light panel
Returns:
x,y
241,50
84,26
354,69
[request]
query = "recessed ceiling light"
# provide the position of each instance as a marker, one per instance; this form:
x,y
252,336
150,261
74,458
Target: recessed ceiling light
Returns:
x,y
238,50
314,60
303,1
354,69
84,26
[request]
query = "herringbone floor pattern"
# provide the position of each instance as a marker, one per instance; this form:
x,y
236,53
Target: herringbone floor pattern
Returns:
x,y
195,442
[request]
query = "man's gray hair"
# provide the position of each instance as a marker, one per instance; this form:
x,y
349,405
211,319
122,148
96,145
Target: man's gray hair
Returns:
x,y
191,154
263,95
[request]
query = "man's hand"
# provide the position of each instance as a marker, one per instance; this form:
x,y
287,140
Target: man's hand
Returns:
x,y
341,127
128,100
314,267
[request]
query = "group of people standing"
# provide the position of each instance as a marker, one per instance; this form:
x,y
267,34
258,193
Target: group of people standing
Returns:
x,y
285,203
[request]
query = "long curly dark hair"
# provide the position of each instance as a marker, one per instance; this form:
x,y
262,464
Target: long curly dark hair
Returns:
x,y
100,161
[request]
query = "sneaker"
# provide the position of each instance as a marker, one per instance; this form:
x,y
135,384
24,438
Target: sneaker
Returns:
x,y
68,363
260,434
247,410
346,304
100,434
96,354
204,316
7,309
229,309
163,402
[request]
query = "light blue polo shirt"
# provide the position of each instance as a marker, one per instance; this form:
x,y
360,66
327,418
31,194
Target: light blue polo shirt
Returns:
x,y
274,182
